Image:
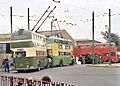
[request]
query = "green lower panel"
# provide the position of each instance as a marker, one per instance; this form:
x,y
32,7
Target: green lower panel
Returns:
x,y
65,59
27,63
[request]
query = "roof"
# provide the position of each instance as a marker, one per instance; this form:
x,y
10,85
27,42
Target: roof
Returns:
x,y
86,40
61,33
97,44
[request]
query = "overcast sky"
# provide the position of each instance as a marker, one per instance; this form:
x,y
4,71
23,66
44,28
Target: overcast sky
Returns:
x,y
73,15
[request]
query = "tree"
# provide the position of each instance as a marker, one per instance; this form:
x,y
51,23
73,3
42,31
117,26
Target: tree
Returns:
x,y
115,38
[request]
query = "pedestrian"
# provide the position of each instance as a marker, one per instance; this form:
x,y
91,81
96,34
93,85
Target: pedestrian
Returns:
x,y
83,59
5,64
100,59
12,63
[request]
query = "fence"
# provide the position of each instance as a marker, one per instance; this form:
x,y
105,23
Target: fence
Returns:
x,y
18,81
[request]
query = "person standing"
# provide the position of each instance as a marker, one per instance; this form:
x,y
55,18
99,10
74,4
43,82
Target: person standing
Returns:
x,y
5,64
12,63
83,59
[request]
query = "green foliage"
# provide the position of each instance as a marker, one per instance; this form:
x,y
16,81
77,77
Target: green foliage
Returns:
x,y
115,38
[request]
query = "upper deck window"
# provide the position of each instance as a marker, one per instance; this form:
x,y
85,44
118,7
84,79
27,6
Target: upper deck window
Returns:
x,y
84,46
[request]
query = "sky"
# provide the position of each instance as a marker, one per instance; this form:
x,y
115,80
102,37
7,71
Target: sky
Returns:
x,y
75,16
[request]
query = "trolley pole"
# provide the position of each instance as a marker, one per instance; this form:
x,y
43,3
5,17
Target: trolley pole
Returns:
x,y
109,37
93,38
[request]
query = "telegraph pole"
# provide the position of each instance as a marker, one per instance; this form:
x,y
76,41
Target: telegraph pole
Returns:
x,y
109,36
93,38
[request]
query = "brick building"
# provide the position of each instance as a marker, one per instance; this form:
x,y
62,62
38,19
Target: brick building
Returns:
x,y
59,33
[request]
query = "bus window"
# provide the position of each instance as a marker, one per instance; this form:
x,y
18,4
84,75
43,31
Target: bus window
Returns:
x,y
105,54
40,53
20,54
60,46
113,54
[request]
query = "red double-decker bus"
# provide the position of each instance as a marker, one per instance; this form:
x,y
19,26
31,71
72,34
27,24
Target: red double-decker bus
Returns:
x,y
101,50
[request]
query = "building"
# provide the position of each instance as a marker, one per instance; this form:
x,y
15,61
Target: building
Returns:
x,y
85,41
59,33
5,37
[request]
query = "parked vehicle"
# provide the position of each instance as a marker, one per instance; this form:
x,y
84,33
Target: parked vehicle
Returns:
x,y
34,51
101,50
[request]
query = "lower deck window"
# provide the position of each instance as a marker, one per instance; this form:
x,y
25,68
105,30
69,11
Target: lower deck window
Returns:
x,y
20,54
40,53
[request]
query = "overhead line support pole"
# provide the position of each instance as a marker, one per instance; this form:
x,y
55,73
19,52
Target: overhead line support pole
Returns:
x,y
93,56
11,19
109,35
28,20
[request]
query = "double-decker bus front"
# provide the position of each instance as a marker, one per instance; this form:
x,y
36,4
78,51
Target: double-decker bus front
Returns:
x,y
60,50
29,50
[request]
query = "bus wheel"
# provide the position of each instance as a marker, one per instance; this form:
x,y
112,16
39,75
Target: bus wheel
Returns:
x,y
61,63
49,64
72,62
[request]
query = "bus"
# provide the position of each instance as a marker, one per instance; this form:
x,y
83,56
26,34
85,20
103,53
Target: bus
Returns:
x,y
34,51
60,51
5,51
29,50
101,50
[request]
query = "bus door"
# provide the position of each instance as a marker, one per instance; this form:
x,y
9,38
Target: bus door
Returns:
x,y
88,58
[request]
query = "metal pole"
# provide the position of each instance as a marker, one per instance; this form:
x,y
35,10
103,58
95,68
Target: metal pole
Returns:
x,y
109,35
59,29
11,26
28,20
11,18
93,38
51,26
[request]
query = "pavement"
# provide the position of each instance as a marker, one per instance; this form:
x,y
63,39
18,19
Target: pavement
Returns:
x,y
113,65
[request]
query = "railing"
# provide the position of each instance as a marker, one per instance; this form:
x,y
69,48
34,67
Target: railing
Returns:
x,y
19,81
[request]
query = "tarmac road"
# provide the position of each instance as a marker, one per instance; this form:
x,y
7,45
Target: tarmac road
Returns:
x,y
78,75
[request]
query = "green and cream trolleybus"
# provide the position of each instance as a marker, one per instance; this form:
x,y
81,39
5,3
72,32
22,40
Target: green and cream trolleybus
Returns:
x,y
29,49
60,51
